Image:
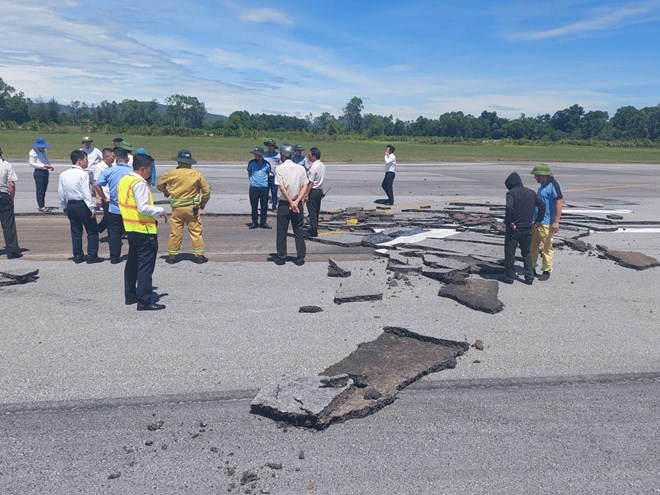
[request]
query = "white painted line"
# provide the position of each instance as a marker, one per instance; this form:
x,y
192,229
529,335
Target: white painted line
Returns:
x,y
638,230
591,212
429,234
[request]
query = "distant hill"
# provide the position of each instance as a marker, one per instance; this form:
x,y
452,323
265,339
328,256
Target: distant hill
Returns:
x,y
162,109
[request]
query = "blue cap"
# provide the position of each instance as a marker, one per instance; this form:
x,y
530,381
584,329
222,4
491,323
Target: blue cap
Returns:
x,y
41,143
141,151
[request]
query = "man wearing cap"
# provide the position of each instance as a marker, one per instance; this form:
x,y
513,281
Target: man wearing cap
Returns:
x,y
8,180
298,156
110,178
38,160
76,201
314,194
139,215
273,158
550,192
94,155
116,142
291,179
258,171
189,192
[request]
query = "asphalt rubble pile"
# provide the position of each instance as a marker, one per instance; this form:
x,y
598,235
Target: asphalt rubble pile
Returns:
x,y
461,247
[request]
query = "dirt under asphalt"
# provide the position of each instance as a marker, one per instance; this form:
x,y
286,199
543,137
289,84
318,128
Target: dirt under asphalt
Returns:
x,y
226,238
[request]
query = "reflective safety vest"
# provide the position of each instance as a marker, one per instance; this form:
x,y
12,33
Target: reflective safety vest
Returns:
x,y
134,221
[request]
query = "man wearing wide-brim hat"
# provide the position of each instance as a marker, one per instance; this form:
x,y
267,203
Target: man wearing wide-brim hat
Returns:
x,y
272,156
298,156
189,192
258,170
550,192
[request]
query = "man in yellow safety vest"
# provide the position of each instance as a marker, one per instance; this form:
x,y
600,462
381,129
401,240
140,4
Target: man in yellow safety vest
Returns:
x,y
138,213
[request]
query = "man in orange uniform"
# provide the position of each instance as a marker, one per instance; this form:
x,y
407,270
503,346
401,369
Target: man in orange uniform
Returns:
x,y
189,192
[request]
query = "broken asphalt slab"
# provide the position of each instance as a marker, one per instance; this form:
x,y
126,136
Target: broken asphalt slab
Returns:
x,y
477,294
632,259
355,290
360,384
15,277
334,270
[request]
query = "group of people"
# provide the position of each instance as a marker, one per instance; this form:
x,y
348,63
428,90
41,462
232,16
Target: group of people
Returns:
x,y
531,219
117,181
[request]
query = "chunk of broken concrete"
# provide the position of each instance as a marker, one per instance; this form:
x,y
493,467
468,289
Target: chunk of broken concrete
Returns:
x,y
578,245
357,290
334,270
632,259
477,294
412,265
300,400
372,240
15,277
397,358
310,309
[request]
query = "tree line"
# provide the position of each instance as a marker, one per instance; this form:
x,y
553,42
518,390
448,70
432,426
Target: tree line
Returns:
x,y
186,115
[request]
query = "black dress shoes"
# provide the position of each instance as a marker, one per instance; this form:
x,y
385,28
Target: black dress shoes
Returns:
x,y
150,307
253,226
78,259
91,261
13,256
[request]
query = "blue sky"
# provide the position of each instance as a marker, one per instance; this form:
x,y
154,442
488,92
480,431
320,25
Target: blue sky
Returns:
x,y
295,57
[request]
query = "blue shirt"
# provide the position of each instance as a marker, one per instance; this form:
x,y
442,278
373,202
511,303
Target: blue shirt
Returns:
x,y
258,173
110,177
549,193
300,160
274,160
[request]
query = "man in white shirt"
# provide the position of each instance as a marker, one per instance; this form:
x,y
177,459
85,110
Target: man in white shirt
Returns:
x,y
390,169
76,201
316,174
8,180
94,155
291,179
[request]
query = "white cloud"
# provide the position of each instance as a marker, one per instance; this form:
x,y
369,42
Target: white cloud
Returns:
x,y
599,20
264,15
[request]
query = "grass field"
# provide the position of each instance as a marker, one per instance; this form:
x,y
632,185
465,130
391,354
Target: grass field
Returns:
x,y
16,145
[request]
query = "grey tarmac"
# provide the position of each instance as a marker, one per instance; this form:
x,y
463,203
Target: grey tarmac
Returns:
x,y
82,375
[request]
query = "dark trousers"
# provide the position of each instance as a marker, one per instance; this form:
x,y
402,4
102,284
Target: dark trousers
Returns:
x,y
259,196
284,216
142,251
274,190
103,224
8,222
388,186
41,181
513,239
314,208
115,226
80,216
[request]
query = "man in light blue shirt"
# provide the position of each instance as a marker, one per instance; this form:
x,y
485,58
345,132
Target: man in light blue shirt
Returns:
x,y
111,177
258,170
